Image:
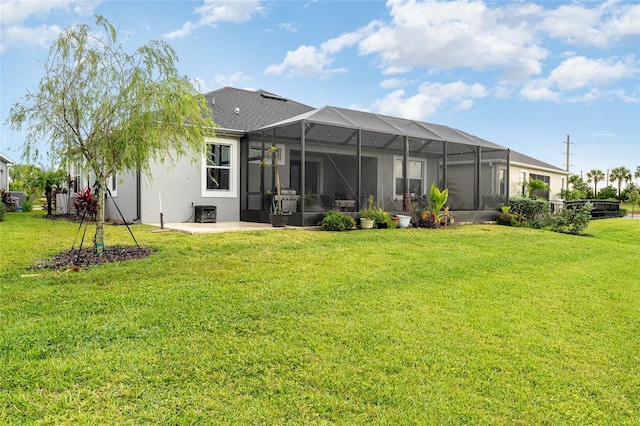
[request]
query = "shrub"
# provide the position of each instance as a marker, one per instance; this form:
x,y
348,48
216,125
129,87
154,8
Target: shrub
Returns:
x,y
336,221
572,220
27,205
3,211
85,204
532,209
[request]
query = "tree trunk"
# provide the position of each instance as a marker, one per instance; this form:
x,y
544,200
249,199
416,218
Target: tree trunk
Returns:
x,y
99,237
48,193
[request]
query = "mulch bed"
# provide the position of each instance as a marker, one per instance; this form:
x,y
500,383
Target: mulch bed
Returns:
x,y
76,259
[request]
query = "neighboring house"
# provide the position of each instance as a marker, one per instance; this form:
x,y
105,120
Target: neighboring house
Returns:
x,y
5,162
524,167
329,158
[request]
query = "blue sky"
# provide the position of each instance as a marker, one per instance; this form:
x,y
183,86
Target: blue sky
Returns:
x,y
523,74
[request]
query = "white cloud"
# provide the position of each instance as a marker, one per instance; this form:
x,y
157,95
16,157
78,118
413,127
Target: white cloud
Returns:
x,y
288,27
430,97
212,12
598,26
304,62
14,14
581,79
460,33
234,79
19,36
307,61
393,83
581,72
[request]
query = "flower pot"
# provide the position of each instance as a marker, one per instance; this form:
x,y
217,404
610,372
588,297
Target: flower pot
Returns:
x,y
278,220
396,220
403,221
366,223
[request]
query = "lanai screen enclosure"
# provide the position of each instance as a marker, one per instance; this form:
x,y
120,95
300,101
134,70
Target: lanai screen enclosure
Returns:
x,y
334,158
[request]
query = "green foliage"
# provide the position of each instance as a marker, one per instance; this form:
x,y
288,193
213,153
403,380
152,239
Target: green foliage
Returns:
x,y
572,221
580,186
437,200
21,175
620,174
3,211
27,205
533,185
595,176
532,209
633,198
111,110
371,211
337,221
607,193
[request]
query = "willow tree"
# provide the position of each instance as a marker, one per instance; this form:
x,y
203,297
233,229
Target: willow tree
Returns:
x,y
110,110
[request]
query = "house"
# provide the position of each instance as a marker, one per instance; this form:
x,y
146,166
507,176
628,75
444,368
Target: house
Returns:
x,y
5,162
329,158
524,167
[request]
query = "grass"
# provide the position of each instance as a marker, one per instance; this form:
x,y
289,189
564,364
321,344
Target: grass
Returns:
x,y
476,324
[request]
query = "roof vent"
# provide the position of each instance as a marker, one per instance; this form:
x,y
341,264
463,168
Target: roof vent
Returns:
x,y
237,110
272,96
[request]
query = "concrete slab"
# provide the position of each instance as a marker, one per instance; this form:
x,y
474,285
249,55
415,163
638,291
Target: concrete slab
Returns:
x,y
211,228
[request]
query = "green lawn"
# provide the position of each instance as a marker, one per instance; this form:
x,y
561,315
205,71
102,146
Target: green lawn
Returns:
x,y
472,325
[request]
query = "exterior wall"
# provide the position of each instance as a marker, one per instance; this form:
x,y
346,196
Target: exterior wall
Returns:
x,y
4,175
180,187
515,179
125,198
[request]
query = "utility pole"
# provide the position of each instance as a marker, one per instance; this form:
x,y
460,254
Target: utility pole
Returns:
x,y
567,165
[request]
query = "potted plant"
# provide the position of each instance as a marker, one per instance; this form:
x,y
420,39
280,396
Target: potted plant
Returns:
x,y
277,217
368,215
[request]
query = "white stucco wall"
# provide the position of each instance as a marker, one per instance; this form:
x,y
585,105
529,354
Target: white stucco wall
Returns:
x,y
555,179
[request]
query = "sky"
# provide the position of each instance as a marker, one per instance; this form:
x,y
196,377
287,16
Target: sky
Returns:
x,y
522,74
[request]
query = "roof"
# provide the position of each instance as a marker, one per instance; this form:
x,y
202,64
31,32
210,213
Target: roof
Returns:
x,y
245,110
517,157
5,159
367,121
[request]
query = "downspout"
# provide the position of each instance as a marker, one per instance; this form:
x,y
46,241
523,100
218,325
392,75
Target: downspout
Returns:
x,y
359,167
303,168
406,196
508,177
138,196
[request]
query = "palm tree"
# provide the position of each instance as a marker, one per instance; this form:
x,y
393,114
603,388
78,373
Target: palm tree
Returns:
x,y
637,173
46,181
534,185
595,176
620,173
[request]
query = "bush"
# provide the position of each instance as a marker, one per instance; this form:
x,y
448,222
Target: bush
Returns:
x,y
27,205
533,209
573,221
336,221
3,211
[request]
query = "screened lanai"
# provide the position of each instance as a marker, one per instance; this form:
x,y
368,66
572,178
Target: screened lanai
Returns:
x,y
335,158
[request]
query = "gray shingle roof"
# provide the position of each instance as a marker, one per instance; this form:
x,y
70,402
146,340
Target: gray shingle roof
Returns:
x,y
518,157
255,109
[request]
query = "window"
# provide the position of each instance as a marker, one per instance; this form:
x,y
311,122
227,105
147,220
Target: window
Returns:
x,y
112,184
502,181
545,179
416,174
220,168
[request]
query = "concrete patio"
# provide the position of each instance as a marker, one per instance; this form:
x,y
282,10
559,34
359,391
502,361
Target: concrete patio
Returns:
x,y
212,228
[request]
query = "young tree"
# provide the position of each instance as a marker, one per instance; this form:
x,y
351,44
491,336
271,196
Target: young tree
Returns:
x,y
633,199
110,110
620,174
595,176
